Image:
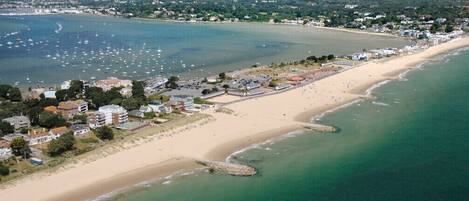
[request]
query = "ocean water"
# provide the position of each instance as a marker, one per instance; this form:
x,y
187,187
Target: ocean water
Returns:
x,y
53,48
409,144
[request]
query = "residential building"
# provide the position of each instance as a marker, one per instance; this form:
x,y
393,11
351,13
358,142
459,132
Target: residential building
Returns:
x,y
68,109
136,113
59,131
96,119
114,114
80,129
111,82
5,150
18,122
182,102
49,94
65,85
38,136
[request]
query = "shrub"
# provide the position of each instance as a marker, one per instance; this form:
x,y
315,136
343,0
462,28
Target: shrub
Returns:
x,y
4,171
104,133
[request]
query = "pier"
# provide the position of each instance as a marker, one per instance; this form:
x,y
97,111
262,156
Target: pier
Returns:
x,y
229,168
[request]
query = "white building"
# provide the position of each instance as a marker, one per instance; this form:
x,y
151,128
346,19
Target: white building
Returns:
x,y
114,114
80,129
96,119
18,121
5,150
65,85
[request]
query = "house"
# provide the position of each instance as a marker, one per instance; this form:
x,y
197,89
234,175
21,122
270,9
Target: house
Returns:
x,y
145,109
65,85
5,150
80,129
49,94
59,131
157,107
68,109
137,113
18,121
359,57
51,108
182,102
38,136
112,82
114,114
96,119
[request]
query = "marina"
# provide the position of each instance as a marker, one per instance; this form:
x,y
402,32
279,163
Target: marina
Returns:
x,y
62,47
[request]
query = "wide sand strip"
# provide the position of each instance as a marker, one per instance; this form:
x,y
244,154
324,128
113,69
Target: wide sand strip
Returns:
x,y
252,121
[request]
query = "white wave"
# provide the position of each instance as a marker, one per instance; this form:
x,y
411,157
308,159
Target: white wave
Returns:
x,y
320,116
59,28
230,158
380,103
370,90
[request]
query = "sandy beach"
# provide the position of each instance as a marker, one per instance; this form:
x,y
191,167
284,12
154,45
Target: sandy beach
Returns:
x,y
251,121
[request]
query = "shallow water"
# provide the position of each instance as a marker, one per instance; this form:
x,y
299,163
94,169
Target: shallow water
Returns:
x,y
409,144
50,49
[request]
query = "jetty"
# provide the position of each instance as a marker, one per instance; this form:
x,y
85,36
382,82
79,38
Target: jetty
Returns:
x,y
229,168
319,127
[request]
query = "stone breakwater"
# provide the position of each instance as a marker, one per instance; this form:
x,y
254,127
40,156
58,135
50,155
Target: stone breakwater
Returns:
x,y
229,168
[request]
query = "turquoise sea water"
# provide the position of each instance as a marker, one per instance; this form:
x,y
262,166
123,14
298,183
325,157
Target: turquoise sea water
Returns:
x,y
54,48
409,144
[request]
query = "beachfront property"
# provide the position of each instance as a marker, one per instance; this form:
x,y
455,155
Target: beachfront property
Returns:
x,y
136,113
42,135
80,129
38,136
114,114
5,150
18,122
96,119
359,56
112,82
57,132
156,107
68,109
182,102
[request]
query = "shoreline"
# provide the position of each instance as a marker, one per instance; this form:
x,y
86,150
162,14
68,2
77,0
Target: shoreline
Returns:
x,y
253,119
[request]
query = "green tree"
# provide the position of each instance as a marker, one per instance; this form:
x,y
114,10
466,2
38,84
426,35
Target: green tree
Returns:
x,y
6,128
4,171
33,114
20,147
132,103
4,90
172,82
14,94
80,118
222,76
104,133
330,57
61,95
51,120
76,89
138,89
62,144
449,28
